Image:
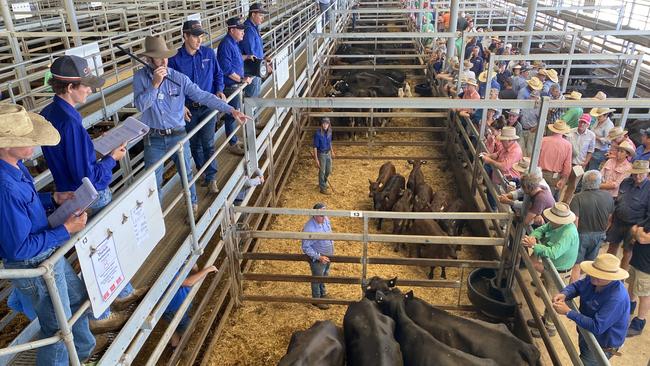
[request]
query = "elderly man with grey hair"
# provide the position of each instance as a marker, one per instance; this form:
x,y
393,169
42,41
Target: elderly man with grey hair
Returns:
x,y
593,208
533,186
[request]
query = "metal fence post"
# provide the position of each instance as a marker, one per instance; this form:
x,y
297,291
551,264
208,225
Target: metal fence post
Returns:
x,y
188,199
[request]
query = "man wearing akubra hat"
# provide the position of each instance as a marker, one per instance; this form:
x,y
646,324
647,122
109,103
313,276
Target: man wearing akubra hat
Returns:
x,y
252,45
616,136
232,63
558,241
26,239
632,208
532,84
616,168
601,130
519,78
604,306
159,93
506,157
555,156
200,65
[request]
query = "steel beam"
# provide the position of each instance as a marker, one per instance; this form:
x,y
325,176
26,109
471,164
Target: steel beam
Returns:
x,y
453,25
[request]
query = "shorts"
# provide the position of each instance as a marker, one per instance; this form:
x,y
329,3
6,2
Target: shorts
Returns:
x,y
589,246
620,232
639,282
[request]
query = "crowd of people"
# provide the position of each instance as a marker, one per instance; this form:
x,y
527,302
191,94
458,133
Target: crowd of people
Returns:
x,y
175,92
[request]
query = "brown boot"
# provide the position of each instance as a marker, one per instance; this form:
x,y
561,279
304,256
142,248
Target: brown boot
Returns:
x,y
121,303
101,343
115,321
321,306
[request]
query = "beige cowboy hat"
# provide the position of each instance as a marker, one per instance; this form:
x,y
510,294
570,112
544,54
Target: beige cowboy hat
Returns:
x,y
560,127
468,64
517,66
482,77
627,146
560,214
600,96
538,63
616,132
19,128
522,165
508,133
573,95
552,75
640,167
155,47
470,81
605,267
600,111
535,83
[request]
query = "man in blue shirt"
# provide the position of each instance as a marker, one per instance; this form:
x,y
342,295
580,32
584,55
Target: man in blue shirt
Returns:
x,y
604,306
26,239
632,207
252,45
199,63
232,63
159,93
643,151
323,153
318,251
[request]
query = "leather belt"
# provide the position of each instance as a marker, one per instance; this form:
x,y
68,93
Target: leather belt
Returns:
x,y
323,152
168,131
194,105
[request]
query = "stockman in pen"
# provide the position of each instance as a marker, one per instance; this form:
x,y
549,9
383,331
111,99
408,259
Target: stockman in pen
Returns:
x,y
26,239
199,63
160,93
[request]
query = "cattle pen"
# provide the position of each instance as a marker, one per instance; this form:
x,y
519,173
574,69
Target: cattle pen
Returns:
x,y
245,314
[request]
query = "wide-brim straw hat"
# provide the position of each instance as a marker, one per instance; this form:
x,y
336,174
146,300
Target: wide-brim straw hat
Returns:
x,y
522,165
616,132
482,77
535,83
605,267
552,75
600,111
468,64
574,95
19,128
560,214
627,146
600,96
560,126
508,133
155,47
470,81
640,167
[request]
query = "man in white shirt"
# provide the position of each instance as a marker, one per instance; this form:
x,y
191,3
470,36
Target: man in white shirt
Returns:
x,y
583,141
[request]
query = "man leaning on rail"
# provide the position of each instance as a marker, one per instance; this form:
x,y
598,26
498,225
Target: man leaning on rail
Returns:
x,y
159,93
26,239
604,306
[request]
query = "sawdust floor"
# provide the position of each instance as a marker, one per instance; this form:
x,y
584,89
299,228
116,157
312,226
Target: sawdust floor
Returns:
x,y
258,333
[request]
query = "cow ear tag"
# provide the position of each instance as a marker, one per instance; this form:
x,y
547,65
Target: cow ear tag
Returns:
x,y
392,282
379,297
409,295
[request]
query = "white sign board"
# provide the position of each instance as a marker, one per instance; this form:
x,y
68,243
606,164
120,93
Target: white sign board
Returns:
x,y
95,4
112,252
282,66
195,16
21,10
319,25
90,52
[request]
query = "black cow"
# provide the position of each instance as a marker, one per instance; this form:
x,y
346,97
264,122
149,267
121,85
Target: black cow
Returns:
x,y
379,284
475,337
320,345
386,198
416,177
386,171
369,338
454,227
418,347
428,227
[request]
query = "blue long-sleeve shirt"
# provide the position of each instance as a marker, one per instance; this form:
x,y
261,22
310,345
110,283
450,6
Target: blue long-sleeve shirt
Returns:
x,y
314,248
74,157
230,59
605,313
202,68
24,231
163,107
252,42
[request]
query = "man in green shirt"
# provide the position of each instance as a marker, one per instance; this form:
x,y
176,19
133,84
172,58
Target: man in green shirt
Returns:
x,y
572,115
557,240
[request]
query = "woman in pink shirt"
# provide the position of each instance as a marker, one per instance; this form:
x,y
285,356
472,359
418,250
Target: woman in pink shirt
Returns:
x,y
616,168
505,158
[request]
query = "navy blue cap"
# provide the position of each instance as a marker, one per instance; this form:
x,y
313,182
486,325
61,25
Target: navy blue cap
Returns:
x,y
74,69
319,206
257,8
235,22
193,27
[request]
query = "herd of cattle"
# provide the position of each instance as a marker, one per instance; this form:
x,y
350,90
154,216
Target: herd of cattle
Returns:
x,y
392,192
390,328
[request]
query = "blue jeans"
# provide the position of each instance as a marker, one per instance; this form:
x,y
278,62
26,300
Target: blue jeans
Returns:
x,y
105,197
253,90
596,159
325,170
155,146
229,120
586,356
72,293
589,246
318,269
202,143
323,9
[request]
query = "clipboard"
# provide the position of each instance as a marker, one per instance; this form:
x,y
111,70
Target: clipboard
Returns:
x,y
84,197
128,131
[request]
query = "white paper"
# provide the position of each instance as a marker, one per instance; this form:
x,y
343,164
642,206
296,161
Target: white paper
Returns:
x,y
21,10
129,130
282,66
139,224
84,196
106,266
